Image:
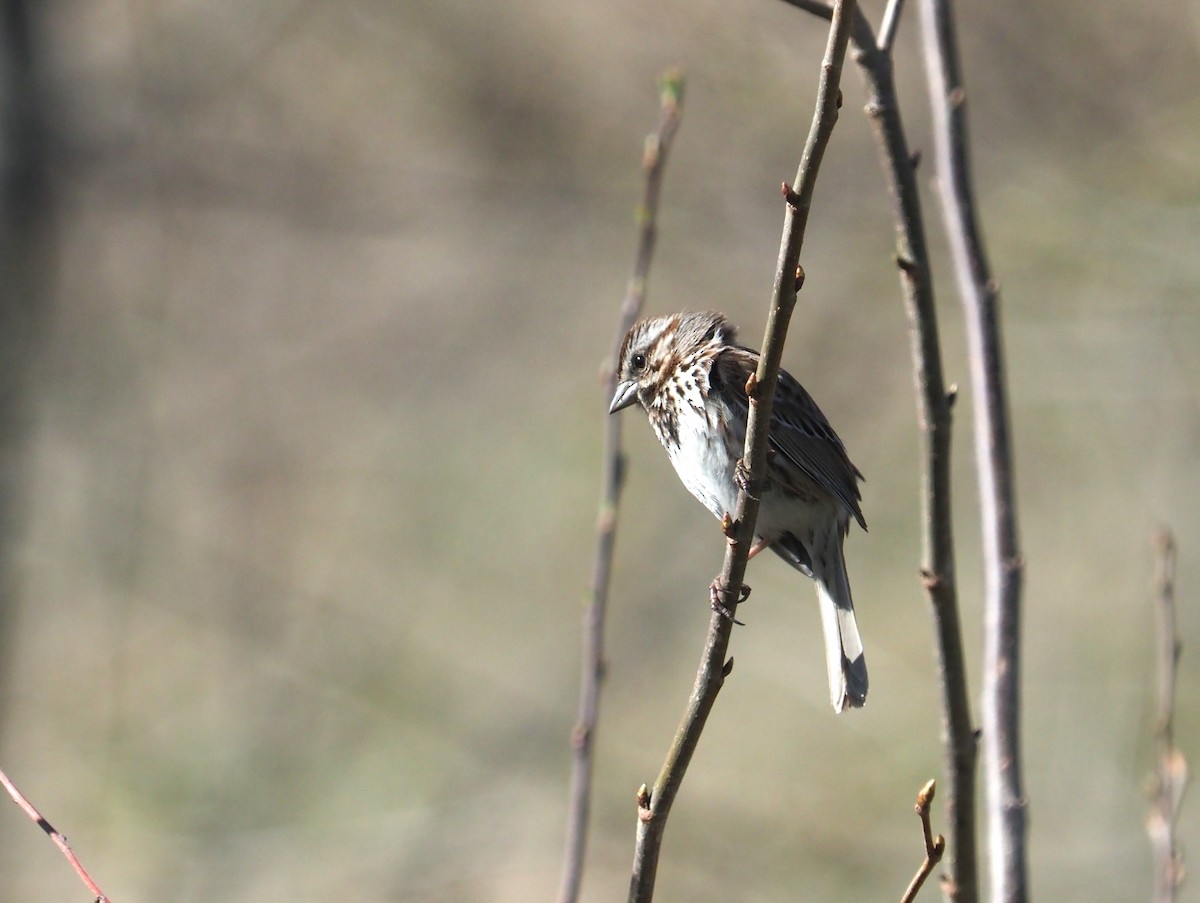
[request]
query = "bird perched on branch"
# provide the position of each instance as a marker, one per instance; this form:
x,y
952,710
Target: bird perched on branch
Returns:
x,y
690,376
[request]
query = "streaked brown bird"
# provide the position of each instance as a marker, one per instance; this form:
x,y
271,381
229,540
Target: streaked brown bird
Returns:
x,y
689,375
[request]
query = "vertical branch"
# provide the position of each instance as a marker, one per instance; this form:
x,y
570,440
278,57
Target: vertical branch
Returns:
x,y
993,449
1170,767
654,161
934,400
654,805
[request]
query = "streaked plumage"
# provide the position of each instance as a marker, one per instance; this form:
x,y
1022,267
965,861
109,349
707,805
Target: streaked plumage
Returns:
x,y
689,375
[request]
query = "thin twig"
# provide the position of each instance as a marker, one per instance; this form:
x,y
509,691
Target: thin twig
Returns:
x,y
934,846
1170,767
934,402
1003,565
654,806
59,840
654,160
888,26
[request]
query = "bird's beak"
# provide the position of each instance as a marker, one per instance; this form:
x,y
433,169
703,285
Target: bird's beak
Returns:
x,y
625,395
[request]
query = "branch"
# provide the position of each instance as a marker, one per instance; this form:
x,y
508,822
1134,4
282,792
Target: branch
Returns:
x,y
1003,565
934,402
1170,767
934,846
728,589
654,161
59,840
887,27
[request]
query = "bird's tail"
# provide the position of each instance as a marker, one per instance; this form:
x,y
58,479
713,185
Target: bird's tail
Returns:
x,y
843,646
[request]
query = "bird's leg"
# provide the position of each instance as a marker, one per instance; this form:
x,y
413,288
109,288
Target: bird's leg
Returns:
x,y
729,528
757,547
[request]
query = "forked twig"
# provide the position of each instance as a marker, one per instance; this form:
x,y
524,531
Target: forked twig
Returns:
x,y
59,840
934,846
1170,766
654,805
654,160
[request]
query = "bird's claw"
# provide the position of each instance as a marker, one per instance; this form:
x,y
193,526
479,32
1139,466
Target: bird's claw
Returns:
x,y
741,474
714,598
741,478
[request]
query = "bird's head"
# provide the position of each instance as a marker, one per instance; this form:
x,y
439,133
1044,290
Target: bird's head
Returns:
x,y
657,348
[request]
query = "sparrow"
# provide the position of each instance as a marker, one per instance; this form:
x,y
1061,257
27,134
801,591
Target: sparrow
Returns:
x,y
689,374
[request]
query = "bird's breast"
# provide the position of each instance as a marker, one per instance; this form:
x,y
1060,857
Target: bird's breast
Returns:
x,y
699,449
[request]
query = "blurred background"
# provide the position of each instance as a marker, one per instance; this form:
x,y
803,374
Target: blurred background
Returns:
x,y
304,305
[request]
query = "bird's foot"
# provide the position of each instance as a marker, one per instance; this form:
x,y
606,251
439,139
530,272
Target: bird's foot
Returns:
x,y
714,598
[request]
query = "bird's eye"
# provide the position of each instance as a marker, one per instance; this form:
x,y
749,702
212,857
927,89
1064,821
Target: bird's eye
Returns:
x,y
638,361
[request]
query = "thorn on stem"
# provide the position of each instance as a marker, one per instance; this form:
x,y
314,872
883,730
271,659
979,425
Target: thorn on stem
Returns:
x,y
728,668
909,267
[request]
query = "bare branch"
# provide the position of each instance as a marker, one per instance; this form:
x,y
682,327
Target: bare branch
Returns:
x,y
654,160
1003,564
59,840
888,26
934,846
934,403
1170,767
728,589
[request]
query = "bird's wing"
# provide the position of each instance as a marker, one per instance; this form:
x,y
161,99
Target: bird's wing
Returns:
x,y
800,435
